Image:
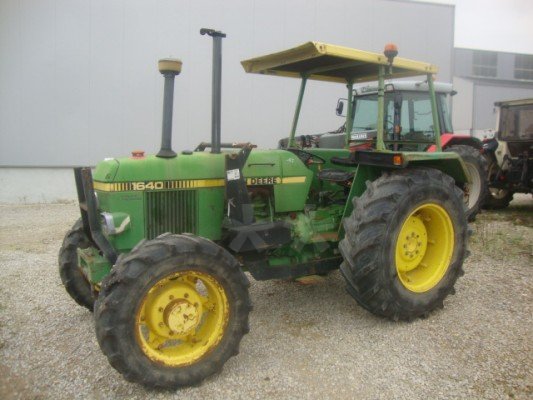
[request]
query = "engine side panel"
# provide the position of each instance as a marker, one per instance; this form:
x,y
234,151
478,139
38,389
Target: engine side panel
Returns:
x,y
285,173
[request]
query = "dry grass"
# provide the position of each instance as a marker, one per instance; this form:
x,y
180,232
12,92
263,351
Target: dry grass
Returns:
x,y
505,234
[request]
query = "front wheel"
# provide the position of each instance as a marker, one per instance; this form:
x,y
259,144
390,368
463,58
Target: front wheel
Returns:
x,y
405,243
72,276
173,311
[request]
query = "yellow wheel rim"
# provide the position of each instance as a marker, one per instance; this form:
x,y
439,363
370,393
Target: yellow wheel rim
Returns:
x,y
182,318
424,248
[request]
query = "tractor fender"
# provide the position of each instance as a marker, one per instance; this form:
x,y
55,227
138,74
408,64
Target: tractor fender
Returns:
x,y
450,139
452,166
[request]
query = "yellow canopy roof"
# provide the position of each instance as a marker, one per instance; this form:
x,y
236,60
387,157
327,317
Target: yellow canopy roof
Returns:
x,y
328,62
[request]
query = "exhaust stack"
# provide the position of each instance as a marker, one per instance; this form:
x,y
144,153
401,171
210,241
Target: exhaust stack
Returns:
x,y
217,79
169,68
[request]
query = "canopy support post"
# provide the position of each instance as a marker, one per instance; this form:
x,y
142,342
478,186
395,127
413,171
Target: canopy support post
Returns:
x,y
436,124
380,144
297,112
349,115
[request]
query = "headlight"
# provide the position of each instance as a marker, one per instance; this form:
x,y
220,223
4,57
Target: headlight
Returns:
x,y
107,224
111,220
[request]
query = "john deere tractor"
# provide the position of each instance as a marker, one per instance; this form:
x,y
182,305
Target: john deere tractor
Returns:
x,y
163,242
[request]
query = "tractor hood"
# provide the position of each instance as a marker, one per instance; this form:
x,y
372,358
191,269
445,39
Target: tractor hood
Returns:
x,y
195,170
151,168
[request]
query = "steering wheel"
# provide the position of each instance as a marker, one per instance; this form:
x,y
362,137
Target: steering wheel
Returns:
x,y
308,158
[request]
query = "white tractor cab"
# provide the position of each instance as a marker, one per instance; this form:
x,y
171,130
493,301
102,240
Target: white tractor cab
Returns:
x,y
408,121
412,102
510,153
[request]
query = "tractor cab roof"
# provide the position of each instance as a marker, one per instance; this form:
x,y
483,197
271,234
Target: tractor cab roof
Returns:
x,y
514,103
407,86
328,62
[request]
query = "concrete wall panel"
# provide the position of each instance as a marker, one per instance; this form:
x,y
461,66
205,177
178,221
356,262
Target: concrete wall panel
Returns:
x,y
462,105
79,80
485,97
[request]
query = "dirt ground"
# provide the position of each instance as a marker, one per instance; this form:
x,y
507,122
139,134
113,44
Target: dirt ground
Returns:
x,y
305,341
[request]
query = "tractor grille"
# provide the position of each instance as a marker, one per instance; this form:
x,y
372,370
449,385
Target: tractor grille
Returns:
x,y
170,211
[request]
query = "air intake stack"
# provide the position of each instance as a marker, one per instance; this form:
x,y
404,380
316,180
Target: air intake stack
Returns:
x,y
169,68
217,84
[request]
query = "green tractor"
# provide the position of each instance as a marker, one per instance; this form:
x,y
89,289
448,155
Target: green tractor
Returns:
x,y
163,243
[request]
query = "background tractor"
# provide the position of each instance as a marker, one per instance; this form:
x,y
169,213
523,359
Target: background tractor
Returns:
x,y
163,241
510,153
408,115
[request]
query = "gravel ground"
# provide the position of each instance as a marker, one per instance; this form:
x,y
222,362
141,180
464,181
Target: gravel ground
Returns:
x,y
306,341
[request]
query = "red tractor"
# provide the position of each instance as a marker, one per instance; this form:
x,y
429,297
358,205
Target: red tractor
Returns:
x,y
408,115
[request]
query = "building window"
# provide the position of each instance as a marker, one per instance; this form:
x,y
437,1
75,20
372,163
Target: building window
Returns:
x,y
523,66
485,63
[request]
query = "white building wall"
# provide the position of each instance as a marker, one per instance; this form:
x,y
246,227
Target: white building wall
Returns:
x,y
473,105
462,105
37,185
79,80
489,93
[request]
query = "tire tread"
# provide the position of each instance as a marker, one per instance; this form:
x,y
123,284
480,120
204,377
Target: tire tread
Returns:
x,y
138,266
366,230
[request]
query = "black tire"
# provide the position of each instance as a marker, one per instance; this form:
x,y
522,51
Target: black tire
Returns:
x,y
475,193
497,199
77,286
371,233
129,282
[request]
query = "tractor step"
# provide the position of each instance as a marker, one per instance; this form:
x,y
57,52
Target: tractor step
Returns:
x,y
261,270
335,175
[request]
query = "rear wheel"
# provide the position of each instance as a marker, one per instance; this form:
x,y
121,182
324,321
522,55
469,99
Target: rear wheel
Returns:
x,y
173,311
405,243
475,192
75,282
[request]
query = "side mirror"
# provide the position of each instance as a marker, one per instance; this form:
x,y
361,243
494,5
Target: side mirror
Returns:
x,y
340,107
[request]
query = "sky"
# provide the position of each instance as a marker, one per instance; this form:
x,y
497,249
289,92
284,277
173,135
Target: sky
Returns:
x,y
498,25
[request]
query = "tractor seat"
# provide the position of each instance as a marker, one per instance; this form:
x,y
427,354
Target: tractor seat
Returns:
x,y
335,175
348,161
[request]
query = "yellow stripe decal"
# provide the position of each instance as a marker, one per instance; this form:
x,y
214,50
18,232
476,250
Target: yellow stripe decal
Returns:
x,y
190,184
294,179
104,187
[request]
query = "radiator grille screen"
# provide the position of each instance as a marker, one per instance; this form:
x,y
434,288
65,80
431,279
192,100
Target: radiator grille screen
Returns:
x,y
170,211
